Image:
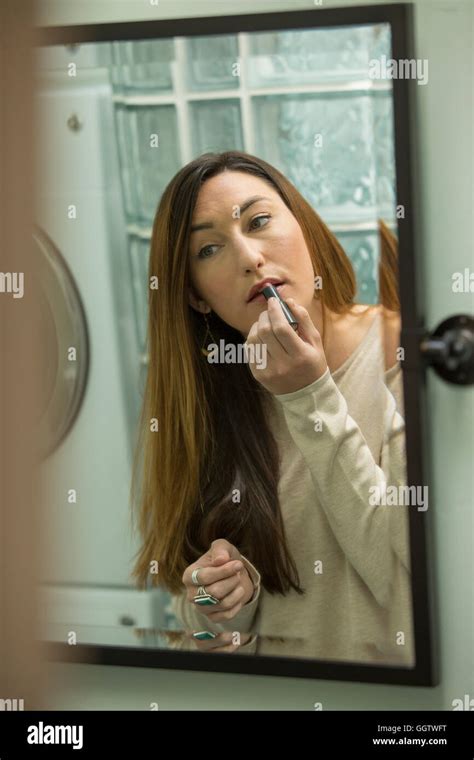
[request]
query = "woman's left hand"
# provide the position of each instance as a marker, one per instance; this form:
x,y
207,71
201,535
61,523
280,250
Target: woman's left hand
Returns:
x,y
295,359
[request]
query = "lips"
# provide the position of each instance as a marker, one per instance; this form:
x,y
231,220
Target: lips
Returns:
x,y
258,287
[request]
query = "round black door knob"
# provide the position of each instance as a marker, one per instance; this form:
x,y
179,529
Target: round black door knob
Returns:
x,y
450,349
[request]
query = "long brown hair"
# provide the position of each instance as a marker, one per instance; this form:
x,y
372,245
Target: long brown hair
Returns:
x,y
213,436
388,268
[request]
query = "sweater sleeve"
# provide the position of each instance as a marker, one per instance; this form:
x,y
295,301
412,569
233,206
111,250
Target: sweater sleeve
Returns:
x,y
189,615
373,535
393,461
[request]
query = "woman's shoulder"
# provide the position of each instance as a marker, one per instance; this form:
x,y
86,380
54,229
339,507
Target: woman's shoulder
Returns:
x,y
390,326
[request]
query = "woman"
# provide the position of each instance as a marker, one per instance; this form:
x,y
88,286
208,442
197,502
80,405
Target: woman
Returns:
x,y
258,482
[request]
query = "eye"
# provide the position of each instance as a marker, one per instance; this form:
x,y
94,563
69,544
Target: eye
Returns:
x,y
262,216
201,255
266,217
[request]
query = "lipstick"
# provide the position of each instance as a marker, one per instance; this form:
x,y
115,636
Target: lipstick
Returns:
x,y
270,290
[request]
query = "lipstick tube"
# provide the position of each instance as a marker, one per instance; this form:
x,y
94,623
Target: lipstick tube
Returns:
x,y
270,290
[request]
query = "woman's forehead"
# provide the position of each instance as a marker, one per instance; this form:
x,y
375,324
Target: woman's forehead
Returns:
x,y
225,192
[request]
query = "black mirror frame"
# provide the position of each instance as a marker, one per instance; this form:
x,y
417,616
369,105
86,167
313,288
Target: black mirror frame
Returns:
x,y
400,16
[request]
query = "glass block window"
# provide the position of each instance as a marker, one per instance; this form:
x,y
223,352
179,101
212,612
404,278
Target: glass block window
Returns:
x,y
142,66
310,56
149,155
211,63
326,144
216,126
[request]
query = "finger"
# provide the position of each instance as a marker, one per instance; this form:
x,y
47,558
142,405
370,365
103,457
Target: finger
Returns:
x,y
254,354
227,607
229,601
257,355
287,339
219,552
270,331
253,337
209,575
222,551
306,328
204,561
225,615
220,589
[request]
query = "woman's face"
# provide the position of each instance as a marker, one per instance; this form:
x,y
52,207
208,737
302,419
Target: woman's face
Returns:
x,y
244,241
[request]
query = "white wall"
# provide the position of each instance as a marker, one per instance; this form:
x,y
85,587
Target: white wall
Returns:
x,y
444,35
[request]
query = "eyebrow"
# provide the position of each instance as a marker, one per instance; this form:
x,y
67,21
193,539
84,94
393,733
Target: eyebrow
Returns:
x,y
244,206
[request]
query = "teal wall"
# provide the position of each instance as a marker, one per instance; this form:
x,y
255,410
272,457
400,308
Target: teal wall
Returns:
x,y
444,35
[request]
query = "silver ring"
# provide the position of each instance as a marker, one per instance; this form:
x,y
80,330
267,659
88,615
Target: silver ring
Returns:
x,y
194,576
203,598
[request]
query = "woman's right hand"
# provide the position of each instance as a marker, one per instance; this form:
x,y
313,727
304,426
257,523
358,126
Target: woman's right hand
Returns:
x,y
224,576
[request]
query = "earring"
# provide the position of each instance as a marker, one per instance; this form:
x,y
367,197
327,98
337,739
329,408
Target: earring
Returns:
x,y
204,350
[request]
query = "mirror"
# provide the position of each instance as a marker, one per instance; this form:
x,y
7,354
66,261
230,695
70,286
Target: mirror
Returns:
x,y
249,441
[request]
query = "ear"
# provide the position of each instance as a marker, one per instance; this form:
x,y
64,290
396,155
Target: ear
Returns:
x,y
197,303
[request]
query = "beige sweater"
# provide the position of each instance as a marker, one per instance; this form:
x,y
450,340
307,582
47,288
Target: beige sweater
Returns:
x,y
352,555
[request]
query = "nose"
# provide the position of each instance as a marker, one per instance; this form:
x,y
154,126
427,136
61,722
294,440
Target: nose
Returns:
x,y
249,253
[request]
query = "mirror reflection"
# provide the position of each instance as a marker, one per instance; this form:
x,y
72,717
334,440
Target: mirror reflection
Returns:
x,y
235,477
